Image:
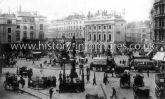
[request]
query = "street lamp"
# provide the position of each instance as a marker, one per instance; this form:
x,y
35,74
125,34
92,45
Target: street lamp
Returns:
x,y
64,70
83,82
73,73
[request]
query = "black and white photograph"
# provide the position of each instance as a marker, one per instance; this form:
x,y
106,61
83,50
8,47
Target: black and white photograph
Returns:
x,y
82,49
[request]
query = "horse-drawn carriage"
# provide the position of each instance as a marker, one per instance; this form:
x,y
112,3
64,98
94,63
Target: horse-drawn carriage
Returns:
x,y
24,71
76,86
42,82
139,89
125,80
11,82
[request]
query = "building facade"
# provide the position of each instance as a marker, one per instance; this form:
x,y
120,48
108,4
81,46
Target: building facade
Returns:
x,y
69,28
7,28
30,26
159,21
65,29
103,32
138,35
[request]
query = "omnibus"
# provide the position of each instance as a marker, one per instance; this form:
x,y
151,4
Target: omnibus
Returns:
x,y
101,64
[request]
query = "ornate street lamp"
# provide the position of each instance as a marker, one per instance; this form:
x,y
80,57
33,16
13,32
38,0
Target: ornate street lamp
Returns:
x,y
73,73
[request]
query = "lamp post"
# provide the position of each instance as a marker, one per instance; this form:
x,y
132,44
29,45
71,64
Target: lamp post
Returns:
x,y
82,67
73,73
64,70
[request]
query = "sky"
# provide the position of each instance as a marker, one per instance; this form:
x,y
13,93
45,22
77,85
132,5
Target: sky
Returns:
x,y
135,10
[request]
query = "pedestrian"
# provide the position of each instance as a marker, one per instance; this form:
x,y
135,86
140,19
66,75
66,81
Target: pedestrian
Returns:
x,y
80,68
113,93
104,79
60,77
51,92
88,78
22,81
148,73
112,71
41,66
33,62
17,70
50,61
94,79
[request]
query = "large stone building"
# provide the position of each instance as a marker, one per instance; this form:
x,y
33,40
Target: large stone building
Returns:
x,y
69,27
30,26
103,31
7,28
158,15
65,29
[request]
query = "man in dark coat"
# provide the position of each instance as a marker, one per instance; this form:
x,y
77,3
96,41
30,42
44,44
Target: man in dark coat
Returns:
x,y
113,93
94,79
51,92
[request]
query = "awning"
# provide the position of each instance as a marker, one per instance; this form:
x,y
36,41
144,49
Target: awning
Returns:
x,y
143,60
159,56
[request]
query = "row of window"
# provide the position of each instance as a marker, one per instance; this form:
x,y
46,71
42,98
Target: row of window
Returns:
x,y
100,27
160,10
70,35
160,22
69,23
31,27
159,36
24,35
99,37
41,35
97,46
70,28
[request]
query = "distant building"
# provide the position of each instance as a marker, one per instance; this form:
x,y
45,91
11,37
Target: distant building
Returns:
x,y
138,35
103,31
7,28
30,26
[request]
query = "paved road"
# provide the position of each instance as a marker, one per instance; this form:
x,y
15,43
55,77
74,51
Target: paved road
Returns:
x,y
128,93
7,94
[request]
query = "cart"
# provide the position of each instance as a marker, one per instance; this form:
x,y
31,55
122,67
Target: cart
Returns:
x,y
139,90
11,82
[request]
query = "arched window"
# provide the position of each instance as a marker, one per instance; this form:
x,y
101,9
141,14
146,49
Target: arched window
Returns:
x,y
104,37
99,36
89,36
94,37
109,37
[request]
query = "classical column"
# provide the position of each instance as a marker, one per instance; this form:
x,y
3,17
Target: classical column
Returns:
x,y
101,32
